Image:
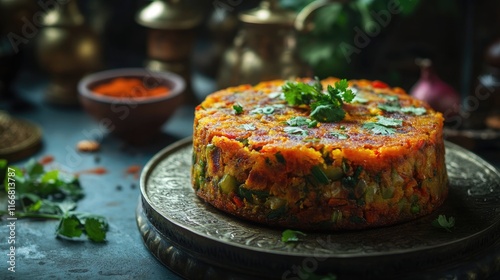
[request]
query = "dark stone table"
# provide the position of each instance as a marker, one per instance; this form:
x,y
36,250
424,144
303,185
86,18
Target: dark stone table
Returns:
x,y
39,255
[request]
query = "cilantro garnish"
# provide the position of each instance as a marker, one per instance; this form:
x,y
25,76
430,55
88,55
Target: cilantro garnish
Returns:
x,y
295,130
300,121
390,98
238,109
393,106
383,125
418,111
248,126
268,110
325,106
277,94
52,195
291,235
444,223
389,121
359,99
340,136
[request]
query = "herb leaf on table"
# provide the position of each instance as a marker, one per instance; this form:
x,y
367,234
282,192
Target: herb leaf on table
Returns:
x,y
443,222
52,194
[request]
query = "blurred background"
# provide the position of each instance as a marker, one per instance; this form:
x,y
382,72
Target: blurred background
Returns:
x,y
220,43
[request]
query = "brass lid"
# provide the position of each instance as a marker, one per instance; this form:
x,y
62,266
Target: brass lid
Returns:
x,y
169,14
18,138
64,15
268,13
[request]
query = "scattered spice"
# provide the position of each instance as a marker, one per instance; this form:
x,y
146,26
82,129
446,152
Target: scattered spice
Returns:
x,y
46,160
134,170
119,187
96,171
129,88
88,146
97,159
133,186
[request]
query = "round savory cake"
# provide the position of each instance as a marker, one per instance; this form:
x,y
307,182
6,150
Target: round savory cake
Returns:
x,y
257,157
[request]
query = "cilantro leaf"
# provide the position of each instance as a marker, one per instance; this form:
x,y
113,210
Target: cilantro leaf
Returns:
x,y
342,89
291,235
389,121
359,99
300,121
295,130
444,223
418,111
95,229
297,121
248,126
268,110
390,98
53,195
238,109
328,113
340,136
34,168
70,227
383,125
392,107
325,107
379,129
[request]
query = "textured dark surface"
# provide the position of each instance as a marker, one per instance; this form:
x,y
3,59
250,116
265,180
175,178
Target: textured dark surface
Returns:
x,y
172,208
39,255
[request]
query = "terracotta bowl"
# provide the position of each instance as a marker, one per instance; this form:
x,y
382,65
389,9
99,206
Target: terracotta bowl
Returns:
x,y
133,119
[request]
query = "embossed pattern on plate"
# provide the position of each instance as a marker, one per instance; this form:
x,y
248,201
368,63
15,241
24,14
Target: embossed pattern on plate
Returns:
x,y
171,206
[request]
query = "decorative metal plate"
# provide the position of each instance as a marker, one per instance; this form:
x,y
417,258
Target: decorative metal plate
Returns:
x,y
18,138
200,242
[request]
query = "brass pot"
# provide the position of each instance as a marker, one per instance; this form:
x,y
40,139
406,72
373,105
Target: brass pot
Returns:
x,y
266,46
171,33
67,49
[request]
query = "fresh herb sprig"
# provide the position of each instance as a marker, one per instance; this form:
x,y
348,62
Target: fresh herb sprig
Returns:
x,y
53,194
291,235
238,109
325,106
443,222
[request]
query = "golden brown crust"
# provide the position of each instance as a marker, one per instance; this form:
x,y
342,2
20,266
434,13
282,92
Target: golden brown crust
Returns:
x,y
249,165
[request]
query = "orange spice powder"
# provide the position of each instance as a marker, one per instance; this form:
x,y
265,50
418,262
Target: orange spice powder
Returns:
x,y
129,88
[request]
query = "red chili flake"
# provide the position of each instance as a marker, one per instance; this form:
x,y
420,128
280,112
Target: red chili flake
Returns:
x,y
134,170
238,201
96,171
379,84
46,159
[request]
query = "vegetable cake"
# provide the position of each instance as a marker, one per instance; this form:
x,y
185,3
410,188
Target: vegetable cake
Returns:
x,y
273,154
